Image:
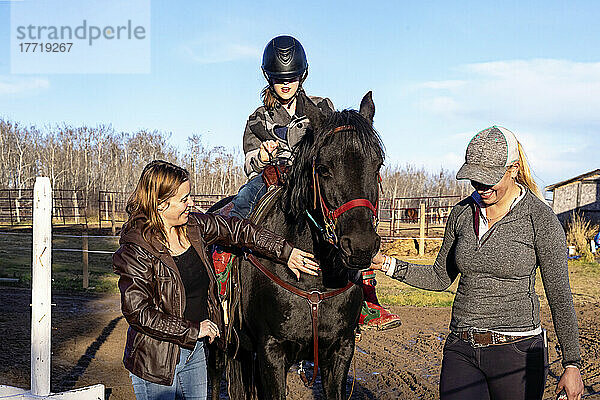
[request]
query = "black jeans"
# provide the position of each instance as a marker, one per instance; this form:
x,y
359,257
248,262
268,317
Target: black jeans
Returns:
x,y
515,371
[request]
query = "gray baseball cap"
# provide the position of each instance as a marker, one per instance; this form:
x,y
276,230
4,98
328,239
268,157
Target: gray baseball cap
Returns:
x,y
488,155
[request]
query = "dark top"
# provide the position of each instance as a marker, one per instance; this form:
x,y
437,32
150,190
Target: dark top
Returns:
x,y
195,281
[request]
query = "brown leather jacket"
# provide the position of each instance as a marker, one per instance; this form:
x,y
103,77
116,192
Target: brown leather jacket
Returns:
x,y
152,293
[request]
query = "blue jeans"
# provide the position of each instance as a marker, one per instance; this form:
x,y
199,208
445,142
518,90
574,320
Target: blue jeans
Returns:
x,y
249,194
190,382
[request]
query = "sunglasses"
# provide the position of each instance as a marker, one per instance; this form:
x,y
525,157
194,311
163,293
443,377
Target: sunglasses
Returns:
x,y
277,81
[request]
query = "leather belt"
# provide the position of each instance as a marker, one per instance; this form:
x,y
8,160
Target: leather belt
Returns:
x,y
487,338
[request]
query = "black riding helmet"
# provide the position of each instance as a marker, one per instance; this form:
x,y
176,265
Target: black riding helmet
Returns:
x,y
284,58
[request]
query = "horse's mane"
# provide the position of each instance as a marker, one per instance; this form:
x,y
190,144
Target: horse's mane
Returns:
x,y
298,192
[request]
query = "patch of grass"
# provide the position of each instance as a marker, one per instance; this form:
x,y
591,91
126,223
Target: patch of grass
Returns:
x,y
579,233
583,277
392,292
67,266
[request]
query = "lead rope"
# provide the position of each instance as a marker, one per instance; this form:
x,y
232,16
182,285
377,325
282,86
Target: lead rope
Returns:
x,y
353,376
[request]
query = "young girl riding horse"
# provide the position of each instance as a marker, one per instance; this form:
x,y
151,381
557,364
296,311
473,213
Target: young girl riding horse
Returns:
x,y
272,131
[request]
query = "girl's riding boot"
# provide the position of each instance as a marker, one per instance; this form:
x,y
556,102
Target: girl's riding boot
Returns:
x,y
372,313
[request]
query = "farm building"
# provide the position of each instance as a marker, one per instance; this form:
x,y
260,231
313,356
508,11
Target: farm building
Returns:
x,y
579,194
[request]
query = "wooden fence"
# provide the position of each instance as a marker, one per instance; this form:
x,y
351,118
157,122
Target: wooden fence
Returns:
x,y
111,206
398,217
402,216
68,207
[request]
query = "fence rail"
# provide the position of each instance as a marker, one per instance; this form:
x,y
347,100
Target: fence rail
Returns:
x,y
398,217
111,206
68,207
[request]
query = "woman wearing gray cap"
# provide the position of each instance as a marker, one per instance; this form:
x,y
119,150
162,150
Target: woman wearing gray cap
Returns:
x,y
495,239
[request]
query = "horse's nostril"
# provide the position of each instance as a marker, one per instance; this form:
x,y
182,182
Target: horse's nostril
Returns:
x,y
345,244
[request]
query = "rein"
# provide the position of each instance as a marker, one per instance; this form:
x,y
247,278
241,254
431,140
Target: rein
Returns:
x,y
330,217
313,298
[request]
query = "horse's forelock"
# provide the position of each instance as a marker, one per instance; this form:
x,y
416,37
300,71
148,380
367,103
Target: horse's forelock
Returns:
x,y
299,193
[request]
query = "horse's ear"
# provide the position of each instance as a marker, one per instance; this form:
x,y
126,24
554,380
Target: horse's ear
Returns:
x,y
314,114
367,107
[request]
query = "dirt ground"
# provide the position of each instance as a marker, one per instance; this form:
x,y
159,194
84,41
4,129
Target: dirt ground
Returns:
x,y
404,363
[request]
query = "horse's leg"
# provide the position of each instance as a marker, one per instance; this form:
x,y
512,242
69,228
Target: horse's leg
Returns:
x,y
271,364
216,362
334,370
239,376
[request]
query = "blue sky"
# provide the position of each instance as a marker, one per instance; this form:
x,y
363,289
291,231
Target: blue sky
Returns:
x,y
440,71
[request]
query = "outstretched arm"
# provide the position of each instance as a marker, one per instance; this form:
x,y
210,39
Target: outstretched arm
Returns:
x,y
255,134
236,232
438,276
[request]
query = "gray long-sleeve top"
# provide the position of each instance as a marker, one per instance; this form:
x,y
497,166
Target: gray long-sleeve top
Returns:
x,y
496,290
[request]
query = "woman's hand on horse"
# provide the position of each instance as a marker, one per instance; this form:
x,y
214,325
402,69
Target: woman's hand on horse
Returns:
x,y
378,262
302,261
266,148
208,329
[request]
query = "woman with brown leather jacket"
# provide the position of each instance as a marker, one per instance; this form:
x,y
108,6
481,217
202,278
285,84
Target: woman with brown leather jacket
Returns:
x,y
167,282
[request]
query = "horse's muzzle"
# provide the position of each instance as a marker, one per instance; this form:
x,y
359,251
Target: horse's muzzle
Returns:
x,y
358,256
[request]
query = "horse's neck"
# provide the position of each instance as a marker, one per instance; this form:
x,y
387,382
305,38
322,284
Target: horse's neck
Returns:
x,y
332,275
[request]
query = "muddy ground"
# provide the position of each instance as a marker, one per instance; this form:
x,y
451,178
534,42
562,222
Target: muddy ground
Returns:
x,y
404,363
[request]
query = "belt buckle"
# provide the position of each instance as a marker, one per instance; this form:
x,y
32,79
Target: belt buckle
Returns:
x,y
471,338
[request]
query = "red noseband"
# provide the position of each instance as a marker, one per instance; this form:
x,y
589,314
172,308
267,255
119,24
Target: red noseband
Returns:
x,y
330,217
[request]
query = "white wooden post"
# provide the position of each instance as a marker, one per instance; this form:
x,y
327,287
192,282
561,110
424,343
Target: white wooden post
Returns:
x,y
422,229
40,287
85,255
40,311
17,208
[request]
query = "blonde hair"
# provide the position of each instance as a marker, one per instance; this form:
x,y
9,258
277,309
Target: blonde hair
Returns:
x,y
158,183
524,176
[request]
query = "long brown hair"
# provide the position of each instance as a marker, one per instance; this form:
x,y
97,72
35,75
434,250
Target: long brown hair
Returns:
x,y
269,98
158,183
524,176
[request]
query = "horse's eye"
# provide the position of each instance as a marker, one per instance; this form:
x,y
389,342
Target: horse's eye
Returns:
x,y
323,170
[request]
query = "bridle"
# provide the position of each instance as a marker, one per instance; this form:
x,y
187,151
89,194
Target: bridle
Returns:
x,y
330,217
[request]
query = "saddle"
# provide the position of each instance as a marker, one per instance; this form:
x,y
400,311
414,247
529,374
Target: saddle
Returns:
x,y
230,279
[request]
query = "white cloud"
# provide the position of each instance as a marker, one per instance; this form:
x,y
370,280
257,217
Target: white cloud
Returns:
x,y
553,158
544,92
217,50
553,106
16,85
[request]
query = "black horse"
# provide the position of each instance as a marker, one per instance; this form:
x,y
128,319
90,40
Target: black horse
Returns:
x,y
337,161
